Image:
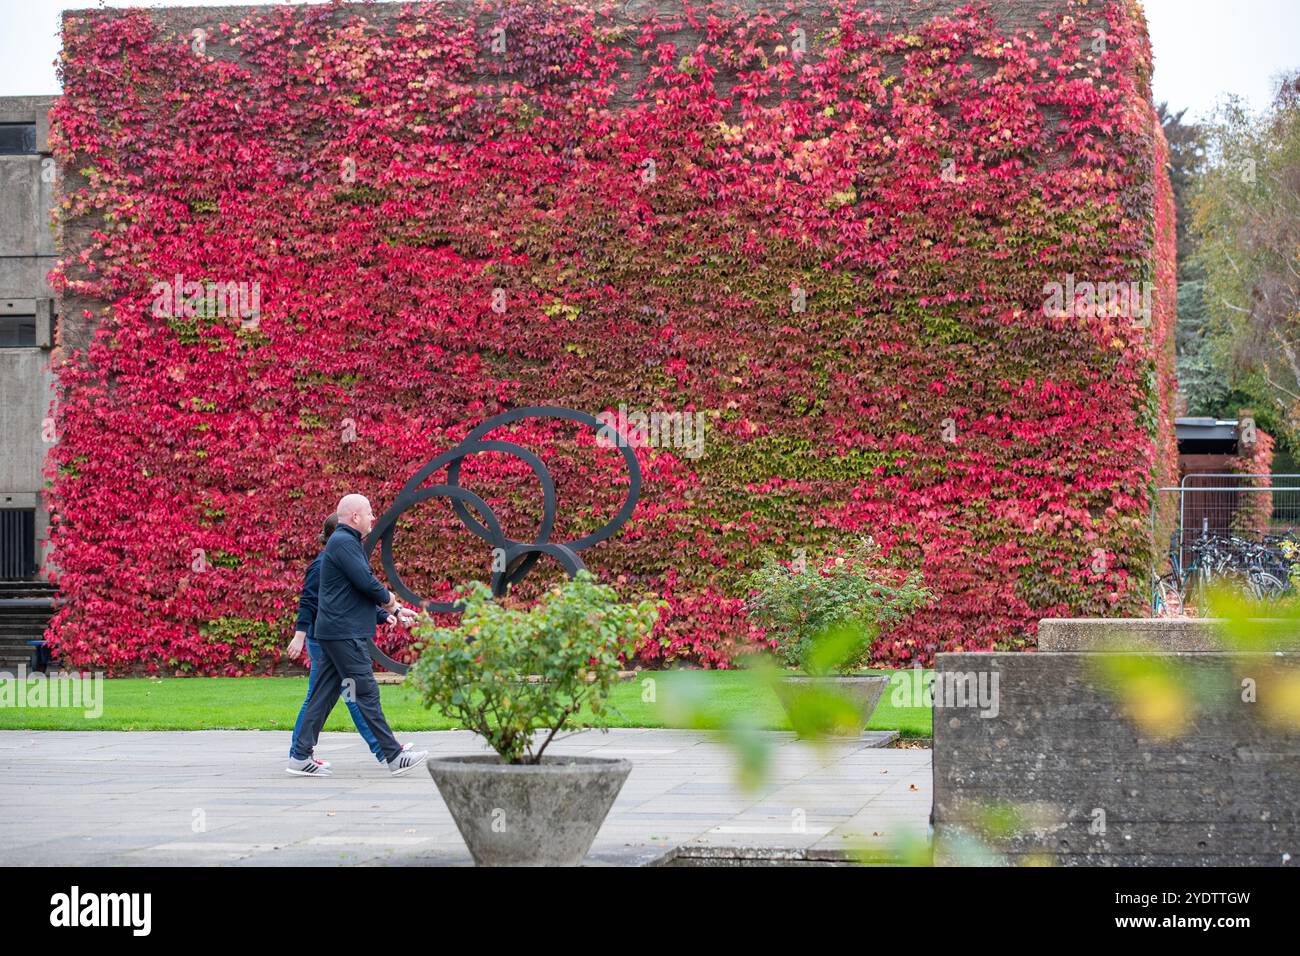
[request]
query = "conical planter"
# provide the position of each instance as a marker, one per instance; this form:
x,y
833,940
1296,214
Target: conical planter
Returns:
x,y
543,814
861,694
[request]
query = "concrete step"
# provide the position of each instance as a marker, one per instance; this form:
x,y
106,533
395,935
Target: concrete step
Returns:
x,y
36,589
25,629
11,621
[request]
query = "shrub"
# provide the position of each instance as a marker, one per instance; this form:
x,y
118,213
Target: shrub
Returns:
x,y
506,673
851,596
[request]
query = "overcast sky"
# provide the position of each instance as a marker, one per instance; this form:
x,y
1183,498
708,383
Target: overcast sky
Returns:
x,y
1203,48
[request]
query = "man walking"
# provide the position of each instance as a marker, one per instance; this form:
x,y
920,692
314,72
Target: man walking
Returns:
x,y
304,638
345,620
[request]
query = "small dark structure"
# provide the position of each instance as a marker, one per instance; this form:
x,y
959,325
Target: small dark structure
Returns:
x,y
1224,483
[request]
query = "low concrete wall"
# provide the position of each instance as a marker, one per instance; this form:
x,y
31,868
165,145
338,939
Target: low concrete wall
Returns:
x,y
1050,738
1156,634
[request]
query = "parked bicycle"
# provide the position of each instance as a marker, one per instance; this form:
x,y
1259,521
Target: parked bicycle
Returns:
x,y
1260,569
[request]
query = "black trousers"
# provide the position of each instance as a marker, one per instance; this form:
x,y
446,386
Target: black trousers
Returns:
x,y
346,668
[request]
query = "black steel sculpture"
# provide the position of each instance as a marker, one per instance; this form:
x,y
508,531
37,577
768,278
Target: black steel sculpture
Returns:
x,y
512,560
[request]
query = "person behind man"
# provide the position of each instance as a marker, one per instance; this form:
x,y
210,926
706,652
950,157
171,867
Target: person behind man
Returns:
x,y
304,636
345,622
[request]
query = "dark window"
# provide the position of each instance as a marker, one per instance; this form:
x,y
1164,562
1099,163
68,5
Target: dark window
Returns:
x,y
17,331
17,544
17,138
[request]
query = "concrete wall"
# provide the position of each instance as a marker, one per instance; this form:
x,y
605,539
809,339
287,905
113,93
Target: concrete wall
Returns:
x,y
1157,634
27,251
1088,786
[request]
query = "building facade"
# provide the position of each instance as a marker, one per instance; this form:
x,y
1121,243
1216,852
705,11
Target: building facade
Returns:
x,y
912,262
27,330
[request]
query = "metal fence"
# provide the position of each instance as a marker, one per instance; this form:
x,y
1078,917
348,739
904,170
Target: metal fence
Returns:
x,y
1230,528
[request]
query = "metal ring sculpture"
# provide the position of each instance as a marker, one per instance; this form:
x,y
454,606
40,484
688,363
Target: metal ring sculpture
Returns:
x,y
486,526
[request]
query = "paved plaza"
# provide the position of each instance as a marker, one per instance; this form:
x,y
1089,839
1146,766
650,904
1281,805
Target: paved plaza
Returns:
x,y
223,798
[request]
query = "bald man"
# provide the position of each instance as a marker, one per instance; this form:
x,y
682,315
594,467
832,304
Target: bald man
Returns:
x,y
345,624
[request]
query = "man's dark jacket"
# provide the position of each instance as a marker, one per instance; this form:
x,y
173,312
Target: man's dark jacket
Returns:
x,y
309,600
348,590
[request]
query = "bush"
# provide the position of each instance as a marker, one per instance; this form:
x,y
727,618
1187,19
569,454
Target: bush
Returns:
x,y
851,595
507,673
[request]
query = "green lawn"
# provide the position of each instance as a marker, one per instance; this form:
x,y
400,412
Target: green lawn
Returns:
x,y
271,703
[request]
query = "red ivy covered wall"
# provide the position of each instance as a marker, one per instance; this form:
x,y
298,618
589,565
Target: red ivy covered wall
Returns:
x,y
653,190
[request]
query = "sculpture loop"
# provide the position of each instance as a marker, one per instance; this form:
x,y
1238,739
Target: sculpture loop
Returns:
x,y
512,560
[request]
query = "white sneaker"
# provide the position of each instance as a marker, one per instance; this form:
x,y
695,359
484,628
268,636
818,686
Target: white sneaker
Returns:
x,y
407,760
308,768
383,762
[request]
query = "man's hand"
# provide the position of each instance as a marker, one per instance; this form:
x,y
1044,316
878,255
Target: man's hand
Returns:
x,y
393,604
392,619
407,616
296,645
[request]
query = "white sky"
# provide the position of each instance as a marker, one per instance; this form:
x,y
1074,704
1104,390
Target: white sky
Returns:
x,y
1203,48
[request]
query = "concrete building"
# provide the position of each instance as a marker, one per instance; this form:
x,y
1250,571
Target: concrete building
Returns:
x,y
27,331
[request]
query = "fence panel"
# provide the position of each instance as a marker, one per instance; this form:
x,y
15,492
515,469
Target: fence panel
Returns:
x,y
1232,528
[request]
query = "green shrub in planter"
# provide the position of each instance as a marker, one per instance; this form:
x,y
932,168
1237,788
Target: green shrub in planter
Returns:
x,y
506,674
826,615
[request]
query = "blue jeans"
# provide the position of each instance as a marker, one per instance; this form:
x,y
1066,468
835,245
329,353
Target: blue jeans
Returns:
x,y
317,656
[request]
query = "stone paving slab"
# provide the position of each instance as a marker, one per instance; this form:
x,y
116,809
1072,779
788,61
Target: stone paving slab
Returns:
x,y
192,798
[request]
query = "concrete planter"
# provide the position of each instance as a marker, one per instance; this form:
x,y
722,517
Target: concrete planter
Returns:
x,y
862,692
543,814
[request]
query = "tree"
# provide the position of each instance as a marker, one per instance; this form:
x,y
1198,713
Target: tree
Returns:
x,y
1186,160
1246,227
